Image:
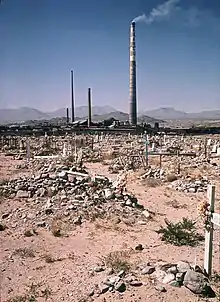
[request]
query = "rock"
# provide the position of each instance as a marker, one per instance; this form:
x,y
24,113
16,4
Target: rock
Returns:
x,y
139,247
62,174
22,194
128,202
136,283
91,293
109,271
112,280
168,278
5,215
146,214
148,270
109,194
196,282
160,288
121,273
2,227
175,283
183,266
78,220
120,287
103,288
98,269
180,277
172,270
41,224
159,275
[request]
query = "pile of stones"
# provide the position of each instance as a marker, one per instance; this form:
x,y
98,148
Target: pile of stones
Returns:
x,y
190,186
117,166
161,274
156,173
71,194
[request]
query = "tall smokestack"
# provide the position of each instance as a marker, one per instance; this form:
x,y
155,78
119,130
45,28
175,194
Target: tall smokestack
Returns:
x,y
72,98
89,107
133,96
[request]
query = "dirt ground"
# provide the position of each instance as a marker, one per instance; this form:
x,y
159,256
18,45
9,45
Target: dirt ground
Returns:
x,y
69,278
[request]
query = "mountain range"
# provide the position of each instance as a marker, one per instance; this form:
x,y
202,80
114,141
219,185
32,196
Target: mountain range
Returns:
x,y
104,112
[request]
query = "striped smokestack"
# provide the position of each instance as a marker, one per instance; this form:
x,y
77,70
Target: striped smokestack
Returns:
x,y
133,96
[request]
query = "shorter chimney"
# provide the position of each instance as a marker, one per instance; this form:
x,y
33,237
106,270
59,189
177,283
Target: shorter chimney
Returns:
x,y
89,107
72,97
67,115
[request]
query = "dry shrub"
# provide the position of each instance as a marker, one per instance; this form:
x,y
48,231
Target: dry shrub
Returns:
x,y
34,292
171,177
151,182
93,214
107,226
175,204
49,258
118,261
56,227
109,155
24,252
30,233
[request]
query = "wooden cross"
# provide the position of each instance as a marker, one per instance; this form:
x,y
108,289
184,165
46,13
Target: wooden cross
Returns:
x,y
215,219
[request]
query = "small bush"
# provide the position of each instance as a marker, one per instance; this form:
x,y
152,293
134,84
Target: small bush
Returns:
x,y
24,252
49,258
171,177
181,233
30,233
33,293
118,261
56,228
152,182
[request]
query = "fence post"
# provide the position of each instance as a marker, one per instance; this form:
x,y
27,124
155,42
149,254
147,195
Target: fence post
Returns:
x,y
146,150
209,233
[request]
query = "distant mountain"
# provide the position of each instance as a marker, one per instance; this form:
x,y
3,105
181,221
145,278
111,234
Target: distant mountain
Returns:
x,y
25,113
206,115
169,113
123,117
105,112
82,111
21,114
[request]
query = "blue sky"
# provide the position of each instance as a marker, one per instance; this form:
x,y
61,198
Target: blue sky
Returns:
x,y
178,55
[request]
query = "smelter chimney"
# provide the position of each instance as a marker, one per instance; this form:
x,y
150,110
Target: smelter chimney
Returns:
x,y
132,83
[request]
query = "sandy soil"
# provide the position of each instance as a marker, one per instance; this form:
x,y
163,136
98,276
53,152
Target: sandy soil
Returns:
x,y
69,277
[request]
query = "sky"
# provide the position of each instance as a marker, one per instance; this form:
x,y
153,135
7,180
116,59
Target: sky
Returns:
x,y
178,53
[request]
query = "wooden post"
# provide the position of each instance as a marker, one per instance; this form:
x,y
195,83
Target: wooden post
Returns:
x,y
146,150
209,233
28,151
160,161
205,147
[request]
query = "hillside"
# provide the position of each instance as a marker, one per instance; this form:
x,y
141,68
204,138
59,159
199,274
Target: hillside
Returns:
x,y
169,113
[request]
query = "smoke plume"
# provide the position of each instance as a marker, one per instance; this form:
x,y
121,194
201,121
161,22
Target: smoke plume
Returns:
x,y
159,13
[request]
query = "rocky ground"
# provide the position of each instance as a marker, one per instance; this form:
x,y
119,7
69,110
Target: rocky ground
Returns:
x,y
68,235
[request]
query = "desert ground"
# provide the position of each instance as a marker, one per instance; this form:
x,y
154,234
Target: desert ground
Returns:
x,y
91,234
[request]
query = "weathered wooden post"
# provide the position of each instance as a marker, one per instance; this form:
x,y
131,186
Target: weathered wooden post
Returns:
x,y
28,151
160,161
146,150
205,147
209,232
